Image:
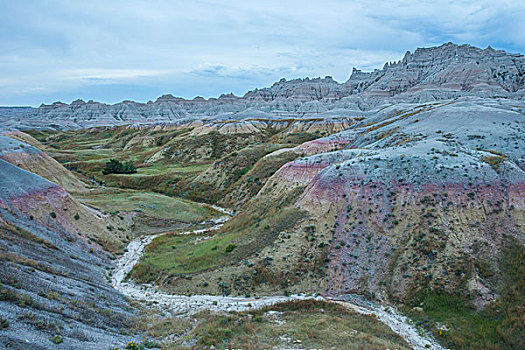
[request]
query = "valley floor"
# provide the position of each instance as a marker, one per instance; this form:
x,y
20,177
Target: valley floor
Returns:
x,y
238,308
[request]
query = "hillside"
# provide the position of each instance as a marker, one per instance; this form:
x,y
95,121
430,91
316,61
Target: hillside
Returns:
x,y
53,275
424,200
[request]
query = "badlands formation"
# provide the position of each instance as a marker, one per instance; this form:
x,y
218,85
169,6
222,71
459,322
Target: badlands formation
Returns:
x,y
429,74
403,187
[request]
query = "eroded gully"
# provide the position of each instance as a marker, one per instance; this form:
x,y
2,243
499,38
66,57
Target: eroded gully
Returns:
x,y
184,304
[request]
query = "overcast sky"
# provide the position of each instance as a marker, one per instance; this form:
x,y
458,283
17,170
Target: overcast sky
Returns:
x,y
112,50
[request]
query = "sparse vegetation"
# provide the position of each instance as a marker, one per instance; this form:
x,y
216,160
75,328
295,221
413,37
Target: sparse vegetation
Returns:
x,y
4,324
57,339
306,324
494,161
134,346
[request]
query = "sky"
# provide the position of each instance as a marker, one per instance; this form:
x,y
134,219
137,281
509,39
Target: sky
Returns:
x,y
113,50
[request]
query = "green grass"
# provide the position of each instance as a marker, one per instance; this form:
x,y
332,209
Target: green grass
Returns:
x,y
249,232
151,204
500,325
300,324
163,168
179,254
466,327
222,161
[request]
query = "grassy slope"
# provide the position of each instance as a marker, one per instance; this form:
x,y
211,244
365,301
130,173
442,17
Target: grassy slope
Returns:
x,y
299,324
216,161
151,204
499,325
205,168
241,237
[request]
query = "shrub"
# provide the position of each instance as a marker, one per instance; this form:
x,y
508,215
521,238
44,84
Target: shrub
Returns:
x,y
494,161
57,339
4,323
151,345
114,166
53,215
134,346
77,216
230,248
25,300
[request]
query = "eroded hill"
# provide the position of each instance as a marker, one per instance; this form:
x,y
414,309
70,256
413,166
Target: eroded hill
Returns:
x,y
412,204
403,186
56,262
426,75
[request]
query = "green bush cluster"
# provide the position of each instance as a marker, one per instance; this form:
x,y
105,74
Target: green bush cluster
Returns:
x,y
114,166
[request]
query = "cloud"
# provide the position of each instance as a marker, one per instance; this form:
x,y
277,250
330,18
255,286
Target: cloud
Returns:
x,y
62,50
109,74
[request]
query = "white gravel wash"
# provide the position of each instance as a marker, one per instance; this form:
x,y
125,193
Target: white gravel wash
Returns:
x,y
183,304
399,324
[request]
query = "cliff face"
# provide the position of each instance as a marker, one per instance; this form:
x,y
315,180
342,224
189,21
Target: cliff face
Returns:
x,y
428,74
421,198
447,67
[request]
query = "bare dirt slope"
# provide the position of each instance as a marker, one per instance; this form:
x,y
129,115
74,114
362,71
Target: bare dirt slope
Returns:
x,y
53,281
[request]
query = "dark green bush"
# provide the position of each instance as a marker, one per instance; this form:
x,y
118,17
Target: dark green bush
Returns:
x,y
114,166
57,339
230,247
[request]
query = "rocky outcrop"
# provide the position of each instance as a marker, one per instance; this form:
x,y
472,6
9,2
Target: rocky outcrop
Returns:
x,y
303,90
429,74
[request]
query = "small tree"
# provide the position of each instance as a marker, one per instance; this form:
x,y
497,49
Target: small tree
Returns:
x,y
129,167
114,166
